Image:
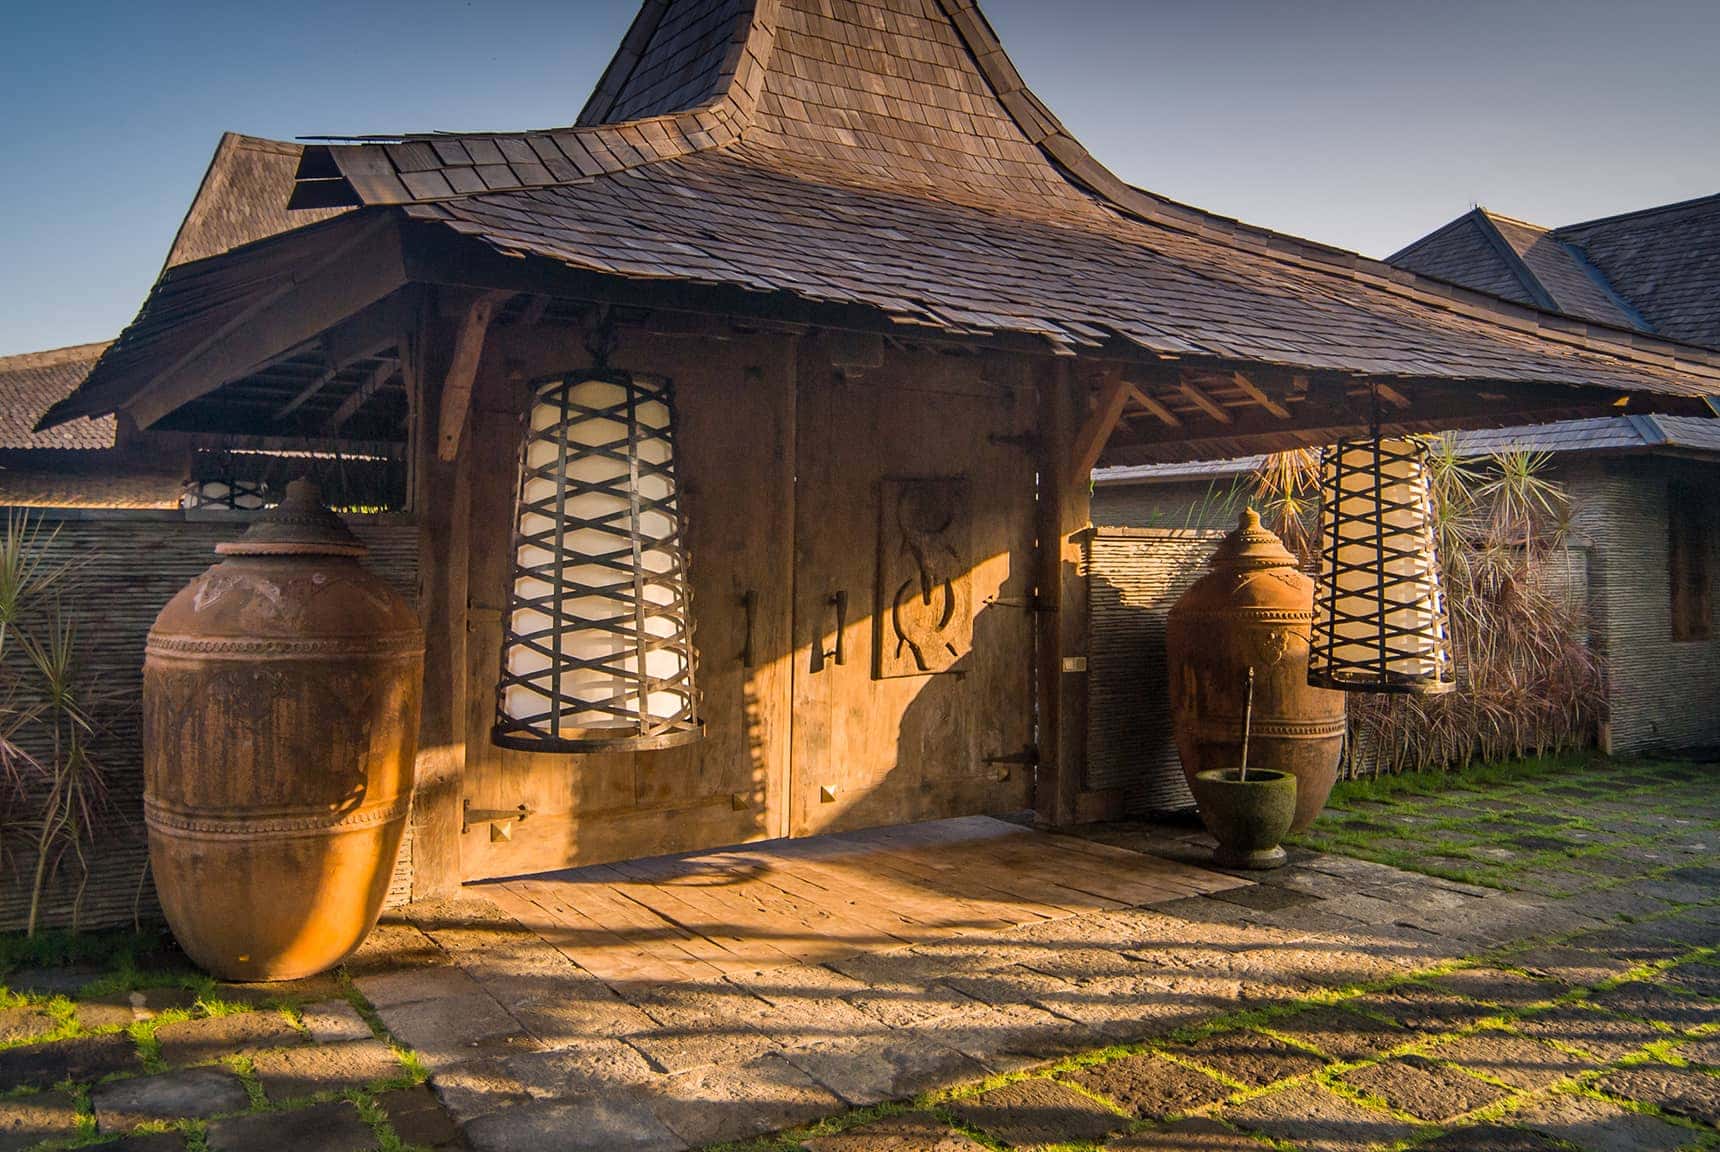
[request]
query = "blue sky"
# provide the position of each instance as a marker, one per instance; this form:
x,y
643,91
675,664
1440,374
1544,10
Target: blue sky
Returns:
x,y
1362,123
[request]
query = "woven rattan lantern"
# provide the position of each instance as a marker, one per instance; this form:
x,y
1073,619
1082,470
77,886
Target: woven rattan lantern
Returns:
x,y
597,649
1379,613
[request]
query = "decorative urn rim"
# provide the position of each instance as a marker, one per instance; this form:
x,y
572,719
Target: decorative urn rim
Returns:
x,y
300,525
1250,546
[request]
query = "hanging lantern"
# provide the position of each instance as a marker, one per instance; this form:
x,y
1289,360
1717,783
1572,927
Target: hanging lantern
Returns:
x,y
597,649
1379,613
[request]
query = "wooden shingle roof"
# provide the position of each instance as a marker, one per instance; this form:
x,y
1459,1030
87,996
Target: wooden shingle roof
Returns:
x,y
885,154
33,382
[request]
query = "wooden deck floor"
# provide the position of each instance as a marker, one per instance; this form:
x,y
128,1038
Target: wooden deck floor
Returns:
x,y
809,901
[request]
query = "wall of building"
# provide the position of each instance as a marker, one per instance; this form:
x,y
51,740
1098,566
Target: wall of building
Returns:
x,y
1664,694
128,564
1192,505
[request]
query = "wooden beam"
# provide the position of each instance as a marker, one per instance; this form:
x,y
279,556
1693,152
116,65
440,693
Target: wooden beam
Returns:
x,y
1393,397
1254,393
317,384
1198,397
441,504
1061,676
358,270
383,373
462,370
1096,430
1164,415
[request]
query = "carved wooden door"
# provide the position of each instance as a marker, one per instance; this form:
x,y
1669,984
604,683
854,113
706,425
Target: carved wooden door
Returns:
x,y
913,535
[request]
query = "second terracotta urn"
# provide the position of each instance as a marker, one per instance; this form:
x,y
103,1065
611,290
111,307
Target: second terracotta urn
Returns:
x,y
280,714
1254,609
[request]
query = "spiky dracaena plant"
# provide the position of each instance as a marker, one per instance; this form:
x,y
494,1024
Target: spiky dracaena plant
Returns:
x,y
1527,680
47,713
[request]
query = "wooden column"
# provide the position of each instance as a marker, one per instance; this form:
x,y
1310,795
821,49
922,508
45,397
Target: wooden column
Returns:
x,y
441,501
1064,512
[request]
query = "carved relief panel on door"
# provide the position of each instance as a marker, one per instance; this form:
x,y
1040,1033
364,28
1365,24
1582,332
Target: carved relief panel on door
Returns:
x,y
924,621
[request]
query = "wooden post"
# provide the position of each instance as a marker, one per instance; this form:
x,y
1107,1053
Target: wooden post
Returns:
x,y
1064,511
442,502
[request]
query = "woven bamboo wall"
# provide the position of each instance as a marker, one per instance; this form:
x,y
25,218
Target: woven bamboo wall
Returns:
x,y
1663,695
130,564
1135,575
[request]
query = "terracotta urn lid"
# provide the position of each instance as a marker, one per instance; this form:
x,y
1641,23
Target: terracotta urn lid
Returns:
x,y
300,525
1251,546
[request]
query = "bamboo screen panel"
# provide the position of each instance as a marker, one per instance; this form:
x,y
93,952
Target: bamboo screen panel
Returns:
x,y
1379,611
597,645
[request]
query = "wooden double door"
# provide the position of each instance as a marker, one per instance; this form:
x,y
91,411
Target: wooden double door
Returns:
x,y
861,550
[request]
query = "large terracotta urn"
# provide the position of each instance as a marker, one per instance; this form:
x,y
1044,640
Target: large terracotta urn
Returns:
x,y
1254,609
280,712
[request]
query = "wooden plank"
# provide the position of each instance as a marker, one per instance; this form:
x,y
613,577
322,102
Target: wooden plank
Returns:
x,y
741,952
714,912
662,940
1096,430
463,370
1253,391
317,384
582,940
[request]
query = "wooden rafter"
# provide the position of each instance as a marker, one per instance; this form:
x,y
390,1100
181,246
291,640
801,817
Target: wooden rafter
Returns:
x,y
1392,396
1096,430
1164,415
361,396
1198,396
317,384
1253,391
463,370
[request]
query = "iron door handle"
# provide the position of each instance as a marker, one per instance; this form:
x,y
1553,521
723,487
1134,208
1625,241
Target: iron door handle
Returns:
x,y
820,654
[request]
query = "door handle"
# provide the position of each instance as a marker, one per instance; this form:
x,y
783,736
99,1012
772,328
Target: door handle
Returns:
x,y
839,601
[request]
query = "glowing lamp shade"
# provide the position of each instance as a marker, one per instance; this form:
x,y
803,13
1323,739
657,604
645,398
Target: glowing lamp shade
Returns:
x,y
1379,613
597,648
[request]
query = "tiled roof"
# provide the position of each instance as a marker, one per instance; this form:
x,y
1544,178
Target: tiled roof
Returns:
x,y
1665,261
885,153
1657,270
32,383
1467,252
243,198
1600,434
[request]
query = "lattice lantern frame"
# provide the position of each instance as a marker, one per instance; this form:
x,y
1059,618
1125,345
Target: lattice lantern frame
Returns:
x,y
1380,621
597,641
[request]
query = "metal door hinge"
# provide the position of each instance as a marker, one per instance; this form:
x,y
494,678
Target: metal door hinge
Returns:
x,y
500,820
1002,762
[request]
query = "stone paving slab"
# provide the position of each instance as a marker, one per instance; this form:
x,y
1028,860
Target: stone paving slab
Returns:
x,y
80,1058
216,1037
419,1119
295,1073
1339,1032
914,1133
332,1127
581,1124
188,1093
1036,1113
1597,1126
1149,1086
736,1101
1248,1058
1317,1120
1198,1134
1423,1089
869,1071
1686,1092
28,1120
333,1021
23,1022
1515,1060
1607,1038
